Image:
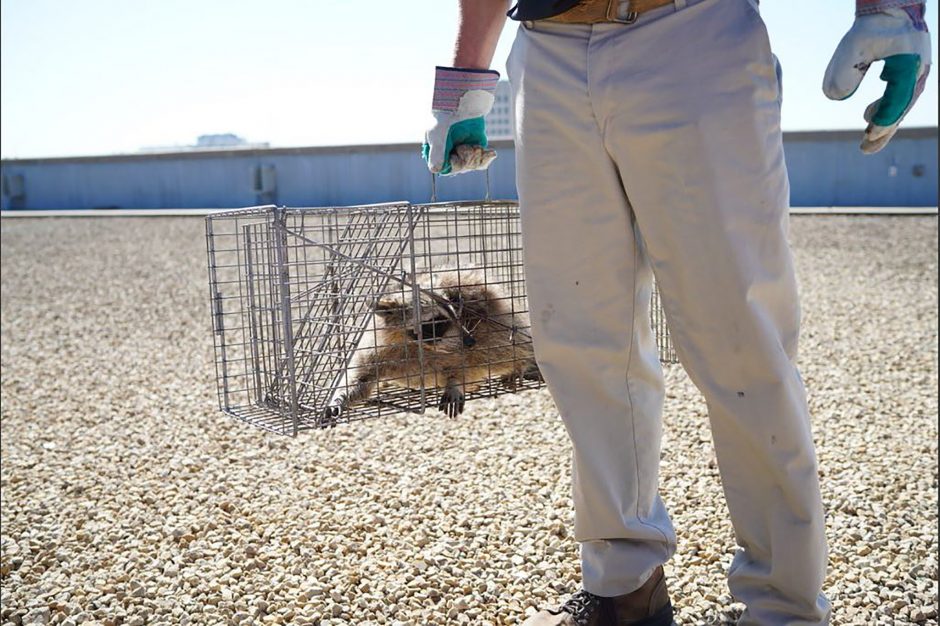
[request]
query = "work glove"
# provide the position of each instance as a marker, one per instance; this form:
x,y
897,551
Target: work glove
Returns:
x,y
892,31
456,143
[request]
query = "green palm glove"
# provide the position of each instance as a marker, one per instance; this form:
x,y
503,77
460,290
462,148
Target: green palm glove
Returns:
x,y
893,32
456,143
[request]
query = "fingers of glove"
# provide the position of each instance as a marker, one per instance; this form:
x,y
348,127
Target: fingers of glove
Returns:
x,y
877,137
871,38
482,158
469,132
847,67
466,158
901,73
882,122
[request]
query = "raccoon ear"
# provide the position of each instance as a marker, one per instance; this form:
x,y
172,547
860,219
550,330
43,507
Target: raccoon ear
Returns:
x,y
387,306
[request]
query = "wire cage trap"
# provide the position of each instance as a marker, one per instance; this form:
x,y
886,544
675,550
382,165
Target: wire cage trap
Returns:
x,y
330,315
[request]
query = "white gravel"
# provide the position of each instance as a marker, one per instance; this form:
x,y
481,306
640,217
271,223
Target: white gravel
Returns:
x,y
127,498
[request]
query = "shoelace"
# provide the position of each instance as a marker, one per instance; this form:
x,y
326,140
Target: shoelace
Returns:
x,y
581,606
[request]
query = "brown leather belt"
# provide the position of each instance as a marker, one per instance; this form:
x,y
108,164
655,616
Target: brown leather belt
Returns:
x,y
597,11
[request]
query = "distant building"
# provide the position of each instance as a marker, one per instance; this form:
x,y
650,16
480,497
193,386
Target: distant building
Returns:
x,y
222,141
499,122
225,140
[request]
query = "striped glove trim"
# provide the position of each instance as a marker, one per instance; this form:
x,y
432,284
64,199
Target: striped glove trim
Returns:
x,y
450,84
867,7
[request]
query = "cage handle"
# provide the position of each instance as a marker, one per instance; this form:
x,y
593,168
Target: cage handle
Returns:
x,y
486,198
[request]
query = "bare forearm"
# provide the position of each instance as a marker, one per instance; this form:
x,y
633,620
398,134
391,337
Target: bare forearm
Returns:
x,y
481,21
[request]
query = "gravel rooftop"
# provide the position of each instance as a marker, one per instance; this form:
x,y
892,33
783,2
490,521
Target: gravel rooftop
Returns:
x,y
128,498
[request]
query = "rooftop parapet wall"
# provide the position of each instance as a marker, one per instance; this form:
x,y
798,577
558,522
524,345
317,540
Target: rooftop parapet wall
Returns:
x,y
826,169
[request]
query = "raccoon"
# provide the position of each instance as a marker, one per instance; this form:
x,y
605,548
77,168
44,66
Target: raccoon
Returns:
x,y
468,334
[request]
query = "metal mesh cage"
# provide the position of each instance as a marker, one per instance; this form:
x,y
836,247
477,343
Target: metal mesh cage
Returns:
x,y
329,315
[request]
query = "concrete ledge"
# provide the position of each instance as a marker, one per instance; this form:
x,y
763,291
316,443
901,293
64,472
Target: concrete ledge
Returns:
x,y
863,210
202,212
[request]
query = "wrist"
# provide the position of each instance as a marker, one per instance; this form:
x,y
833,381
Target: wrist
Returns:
x,y
471,63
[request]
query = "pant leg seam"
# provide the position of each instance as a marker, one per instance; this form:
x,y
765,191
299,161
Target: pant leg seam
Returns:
x,y
632,341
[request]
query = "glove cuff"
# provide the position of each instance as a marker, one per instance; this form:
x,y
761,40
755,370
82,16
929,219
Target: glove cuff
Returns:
x,y
451,83
869,7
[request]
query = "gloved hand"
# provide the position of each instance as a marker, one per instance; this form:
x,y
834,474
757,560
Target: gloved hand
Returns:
x,y
899,37
456,143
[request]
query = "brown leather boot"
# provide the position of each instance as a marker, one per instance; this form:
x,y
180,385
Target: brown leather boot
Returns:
x,y
647,606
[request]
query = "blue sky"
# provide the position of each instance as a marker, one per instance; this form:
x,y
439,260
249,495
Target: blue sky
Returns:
x,y
111,76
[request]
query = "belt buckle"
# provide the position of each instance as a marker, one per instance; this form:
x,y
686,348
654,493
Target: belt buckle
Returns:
x,y
629,18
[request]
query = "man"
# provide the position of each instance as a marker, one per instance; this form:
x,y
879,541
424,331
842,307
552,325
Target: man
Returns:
x,y
648,143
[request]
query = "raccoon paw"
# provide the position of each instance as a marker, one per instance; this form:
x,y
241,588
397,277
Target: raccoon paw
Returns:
x,y
452,402
328,417
514,380
533,373
511,381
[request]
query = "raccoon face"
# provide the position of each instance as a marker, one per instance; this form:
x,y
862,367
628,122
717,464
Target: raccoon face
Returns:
x,y
435,323
434,329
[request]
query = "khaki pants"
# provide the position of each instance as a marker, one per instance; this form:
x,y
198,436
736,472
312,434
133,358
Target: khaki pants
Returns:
x,y
655,149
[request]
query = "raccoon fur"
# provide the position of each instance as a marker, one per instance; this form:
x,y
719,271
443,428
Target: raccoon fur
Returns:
x,y
486,341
